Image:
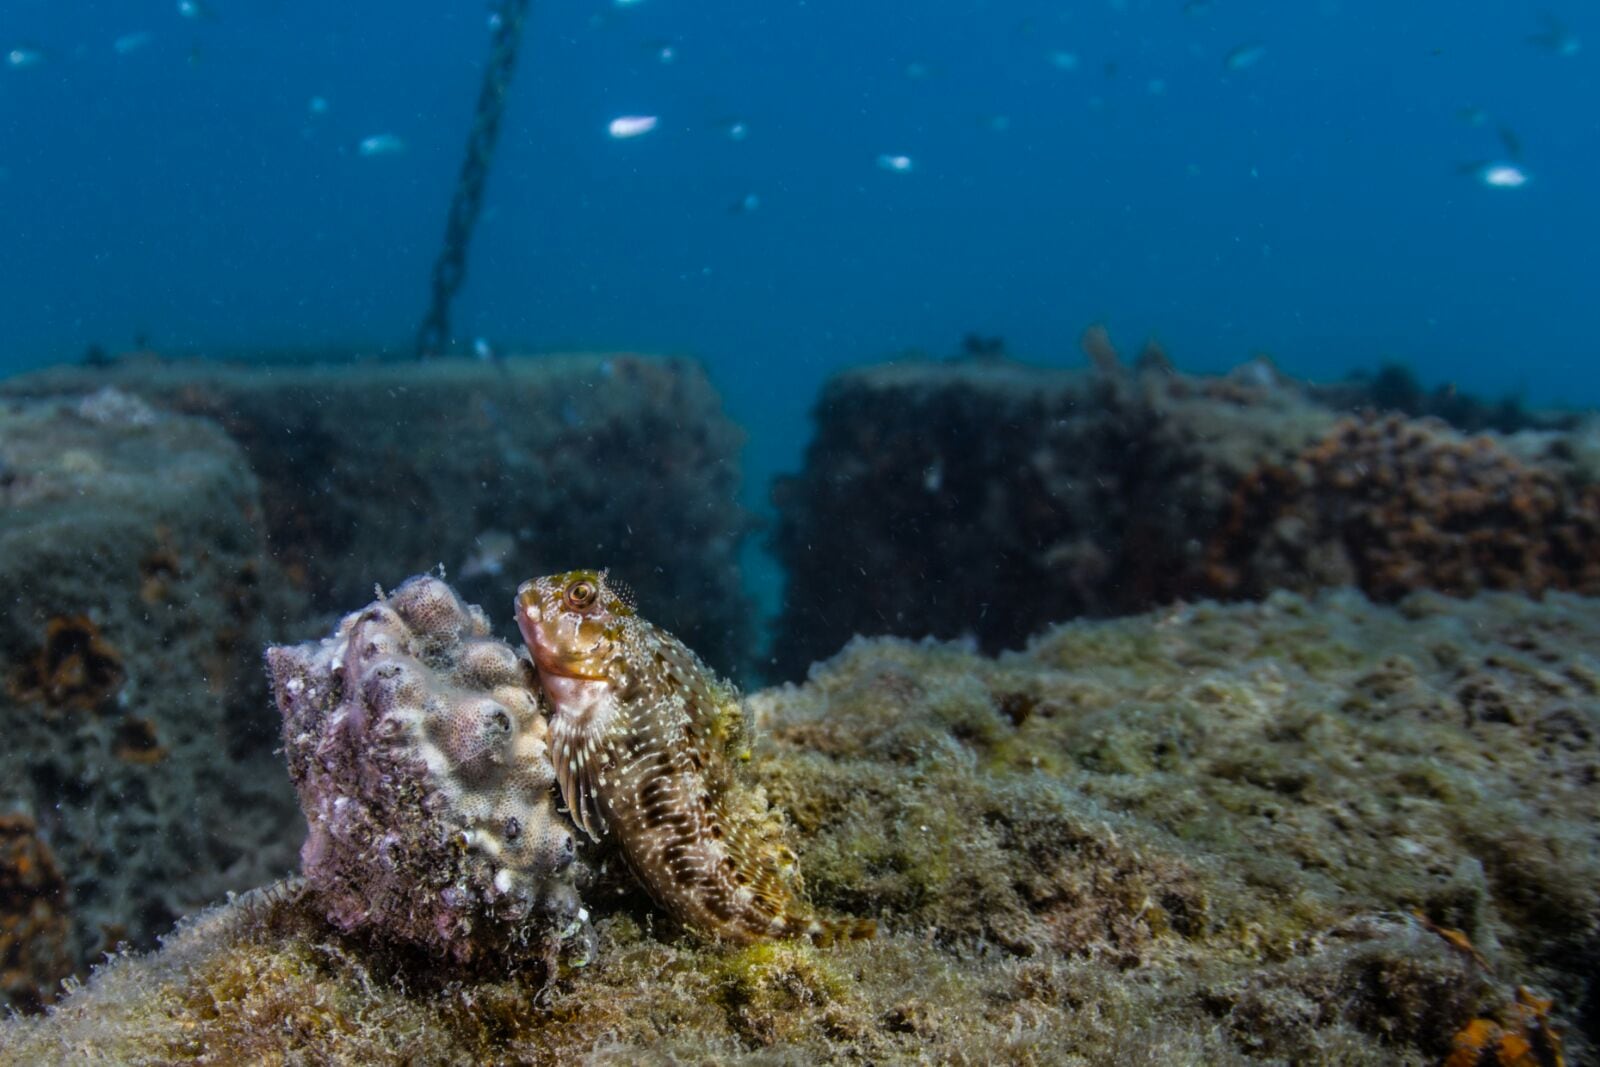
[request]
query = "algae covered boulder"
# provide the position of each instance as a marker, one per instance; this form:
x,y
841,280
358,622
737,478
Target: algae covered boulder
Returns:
x,y
1297,831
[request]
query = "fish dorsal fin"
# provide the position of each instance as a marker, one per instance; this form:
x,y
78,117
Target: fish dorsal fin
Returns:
x,y
715,724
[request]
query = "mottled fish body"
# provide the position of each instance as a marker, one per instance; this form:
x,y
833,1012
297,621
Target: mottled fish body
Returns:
x,y
645,740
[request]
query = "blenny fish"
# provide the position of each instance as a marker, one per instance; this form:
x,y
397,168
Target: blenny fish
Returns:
x,y
646,743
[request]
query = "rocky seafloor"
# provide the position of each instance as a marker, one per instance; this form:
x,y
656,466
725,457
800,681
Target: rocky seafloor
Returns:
x,y
1303,830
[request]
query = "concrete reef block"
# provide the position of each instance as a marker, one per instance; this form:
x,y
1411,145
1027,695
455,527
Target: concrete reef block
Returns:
x,y
137,593
529,466
418,749
993,498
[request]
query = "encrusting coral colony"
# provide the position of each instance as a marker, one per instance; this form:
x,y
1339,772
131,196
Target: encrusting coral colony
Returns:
x,y
1354,825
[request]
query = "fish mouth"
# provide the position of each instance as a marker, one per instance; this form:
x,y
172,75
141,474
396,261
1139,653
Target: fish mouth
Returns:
x,y
551,665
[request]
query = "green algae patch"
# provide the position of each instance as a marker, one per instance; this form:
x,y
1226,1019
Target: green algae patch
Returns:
x,y
1206,842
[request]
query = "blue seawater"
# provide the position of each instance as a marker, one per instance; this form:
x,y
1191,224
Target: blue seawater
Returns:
x,y
1235,177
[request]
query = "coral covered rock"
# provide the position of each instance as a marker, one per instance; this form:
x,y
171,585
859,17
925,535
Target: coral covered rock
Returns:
x,y
419,753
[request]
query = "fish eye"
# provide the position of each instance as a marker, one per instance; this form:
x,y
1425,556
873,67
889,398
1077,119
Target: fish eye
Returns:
x,y
581,594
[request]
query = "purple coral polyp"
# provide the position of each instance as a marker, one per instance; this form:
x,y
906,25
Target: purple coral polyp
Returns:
x,y
416,743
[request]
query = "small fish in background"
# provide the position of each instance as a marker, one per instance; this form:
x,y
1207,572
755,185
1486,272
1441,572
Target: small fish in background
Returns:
x,y
317,106
745,205
24,57
196,10
1505,173
624,127
1499,174
483,350
997,123
895,164
1244,56
1063,60
735,129
1196,7
130,43
664,52
381,144
493,548
916,70
1555,37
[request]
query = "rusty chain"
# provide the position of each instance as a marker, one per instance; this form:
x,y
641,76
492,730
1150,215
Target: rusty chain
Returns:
x,y
451,267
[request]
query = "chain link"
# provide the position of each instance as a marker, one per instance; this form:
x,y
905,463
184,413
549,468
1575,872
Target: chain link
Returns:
x,y
451,267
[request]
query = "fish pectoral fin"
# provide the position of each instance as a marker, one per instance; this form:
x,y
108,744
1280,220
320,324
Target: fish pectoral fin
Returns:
x,y
577,779
587,813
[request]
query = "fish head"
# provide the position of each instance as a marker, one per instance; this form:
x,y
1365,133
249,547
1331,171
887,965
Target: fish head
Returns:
x,y
576,624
